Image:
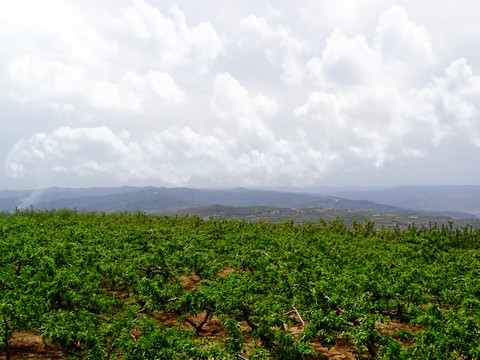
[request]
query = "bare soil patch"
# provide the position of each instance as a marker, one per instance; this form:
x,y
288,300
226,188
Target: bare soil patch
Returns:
x,y
225,271
190,282
24,345
393,326
342,350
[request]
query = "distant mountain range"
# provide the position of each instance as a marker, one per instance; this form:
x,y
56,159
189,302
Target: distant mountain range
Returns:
x,y
454,201
447,199
157,200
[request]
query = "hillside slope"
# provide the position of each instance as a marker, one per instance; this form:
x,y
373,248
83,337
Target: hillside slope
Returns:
x,y
154,200
447,199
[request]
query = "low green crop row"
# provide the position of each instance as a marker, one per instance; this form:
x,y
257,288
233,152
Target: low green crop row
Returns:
x,y
132,286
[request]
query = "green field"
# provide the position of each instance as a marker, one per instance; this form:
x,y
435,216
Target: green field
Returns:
x,y
309,215
132,286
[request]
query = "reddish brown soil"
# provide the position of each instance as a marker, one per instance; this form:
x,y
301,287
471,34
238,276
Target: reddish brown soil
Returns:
x,y
392,327
225,271
25,345
343,350
190,282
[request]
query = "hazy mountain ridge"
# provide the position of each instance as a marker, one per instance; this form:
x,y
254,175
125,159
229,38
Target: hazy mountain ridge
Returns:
x,y
447,199
154,200
454,201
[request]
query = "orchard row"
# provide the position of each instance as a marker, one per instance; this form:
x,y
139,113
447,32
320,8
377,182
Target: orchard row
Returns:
x,y
132,286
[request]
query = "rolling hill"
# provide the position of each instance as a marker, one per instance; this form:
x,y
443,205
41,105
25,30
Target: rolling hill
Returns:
x,y
155,200
385,206
448,199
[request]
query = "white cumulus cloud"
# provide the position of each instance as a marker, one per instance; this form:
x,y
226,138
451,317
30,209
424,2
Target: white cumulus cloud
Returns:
x,y
346,61
246,93
449,106
123,62
281,40
170,37
79,151
400,39
91,152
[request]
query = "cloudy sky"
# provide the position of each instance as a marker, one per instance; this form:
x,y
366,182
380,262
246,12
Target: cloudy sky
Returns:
x,y
239,93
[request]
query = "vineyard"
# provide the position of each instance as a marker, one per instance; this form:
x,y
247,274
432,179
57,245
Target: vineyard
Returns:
x,y
132,286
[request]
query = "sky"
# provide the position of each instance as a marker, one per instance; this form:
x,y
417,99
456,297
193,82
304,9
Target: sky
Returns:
x,y
239,93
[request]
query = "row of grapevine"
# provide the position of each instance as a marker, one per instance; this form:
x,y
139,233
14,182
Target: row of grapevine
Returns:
x,y
130,286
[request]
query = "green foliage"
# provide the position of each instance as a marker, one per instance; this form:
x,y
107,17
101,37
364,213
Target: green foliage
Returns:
x,y
134,286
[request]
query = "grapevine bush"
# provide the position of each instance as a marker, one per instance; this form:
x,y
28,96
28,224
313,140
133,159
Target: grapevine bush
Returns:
x,y
131,286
